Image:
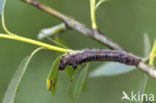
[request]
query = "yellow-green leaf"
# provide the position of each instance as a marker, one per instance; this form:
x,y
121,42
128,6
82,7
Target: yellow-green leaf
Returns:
x,y
53,76
153,54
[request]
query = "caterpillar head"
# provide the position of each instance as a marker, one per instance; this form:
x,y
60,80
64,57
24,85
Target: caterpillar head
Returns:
x,y
62,64
66,61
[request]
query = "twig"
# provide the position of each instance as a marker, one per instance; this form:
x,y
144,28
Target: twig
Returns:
x,y
75,25
150,70
34,42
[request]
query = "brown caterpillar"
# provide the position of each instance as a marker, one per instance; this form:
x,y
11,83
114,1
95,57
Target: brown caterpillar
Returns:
x,y
84,56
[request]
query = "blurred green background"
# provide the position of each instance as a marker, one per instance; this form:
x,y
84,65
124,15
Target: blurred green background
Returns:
x,y
124,21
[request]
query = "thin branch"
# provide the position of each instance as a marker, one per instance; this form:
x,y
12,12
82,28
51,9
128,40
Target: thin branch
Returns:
x,y
75,25
92,14
34,42
149,70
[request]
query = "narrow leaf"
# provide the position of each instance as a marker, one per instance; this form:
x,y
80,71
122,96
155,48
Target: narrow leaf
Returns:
x,y
153,54
111,69
144,80
15,81
53,76
75,87
70,72
84,88
2,4
147,45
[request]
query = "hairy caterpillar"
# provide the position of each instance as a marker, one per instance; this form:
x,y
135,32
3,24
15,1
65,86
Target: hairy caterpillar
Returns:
x,y
84,56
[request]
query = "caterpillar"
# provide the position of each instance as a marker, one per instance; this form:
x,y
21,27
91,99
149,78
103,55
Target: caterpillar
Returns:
x,y
85,56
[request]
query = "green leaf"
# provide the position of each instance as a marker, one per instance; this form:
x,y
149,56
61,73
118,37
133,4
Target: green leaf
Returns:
x,y
152,54
2,4
144,80
84,88
147,45
53,77
70,72
15,81
17,77
100,2
75,87
111,69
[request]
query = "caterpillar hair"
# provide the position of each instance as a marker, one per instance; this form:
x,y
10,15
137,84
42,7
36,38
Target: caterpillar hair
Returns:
x,y
85,56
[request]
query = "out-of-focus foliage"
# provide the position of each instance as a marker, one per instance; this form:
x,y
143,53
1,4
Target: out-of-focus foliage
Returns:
x,y
111,69
16,79
76,85
144,80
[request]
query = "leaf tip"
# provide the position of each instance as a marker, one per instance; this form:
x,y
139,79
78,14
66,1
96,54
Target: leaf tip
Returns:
x,y
153,54
49,84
